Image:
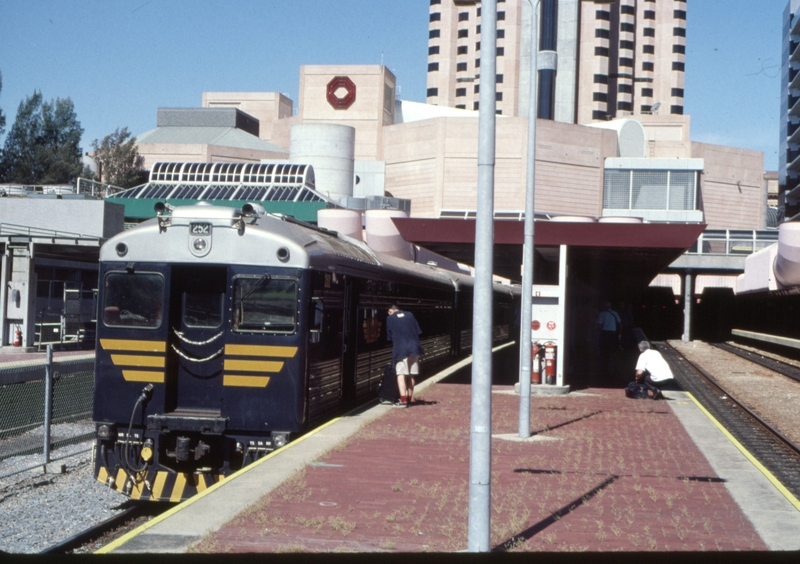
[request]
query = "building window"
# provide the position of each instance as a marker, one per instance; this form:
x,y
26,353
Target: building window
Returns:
x,y
677,92
602,33
626,44
625,88
625,62
479,11
599,97
604,15
500,51
677,66
475,105
649,32
435,2
498,79
646,109
679,14
433,50
625,106
647,66
601,51
461,67
477,29
498,96
679,31
461,107
463,16
433,67
647,92
649,49
463,33
432,92
477,88
434,33
649,15
598,114
630,10
678,110
501,33
435,17
461,92
478,46
478,63
499,112
601,79
502,16
627,27
679,49
462,50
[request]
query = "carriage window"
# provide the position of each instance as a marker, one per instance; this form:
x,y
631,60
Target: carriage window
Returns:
x,y
202,310
133,300
264,304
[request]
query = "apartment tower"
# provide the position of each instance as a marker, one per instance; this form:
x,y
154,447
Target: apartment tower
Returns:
x,y
601,60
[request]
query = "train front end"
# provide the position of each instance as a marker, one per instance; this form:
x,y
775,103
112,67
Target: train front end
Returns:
x,y
200,360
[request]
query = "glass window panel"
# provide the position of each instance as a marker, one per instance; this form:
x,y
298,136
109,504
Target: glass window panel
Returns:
x,y
202,309
264,304
650,190
133,300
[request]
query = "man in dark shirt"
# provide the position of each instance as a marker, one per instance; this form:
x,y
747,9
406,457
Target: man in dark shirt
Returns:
x,y
403,331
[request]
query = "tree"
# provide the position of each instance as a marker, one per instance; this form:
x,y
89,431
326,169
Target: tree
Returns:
x,y
42,146
2,117
118,160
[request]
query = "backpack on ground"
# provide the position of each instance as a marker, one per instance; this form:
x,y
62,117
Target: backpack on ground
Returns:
x,y
638,390
388,391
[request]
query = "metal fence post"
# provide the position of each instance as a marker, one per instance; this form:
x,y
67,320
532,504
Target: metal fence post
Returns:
x,y
48,404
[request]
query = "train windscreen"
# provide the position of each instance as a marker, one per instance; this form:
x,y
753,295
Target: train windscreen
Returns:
x,y
264,304
133,300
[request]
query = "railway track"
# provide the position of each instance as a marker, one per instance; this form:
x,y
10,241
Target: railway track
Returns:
x,y
788,370
773,450
106,531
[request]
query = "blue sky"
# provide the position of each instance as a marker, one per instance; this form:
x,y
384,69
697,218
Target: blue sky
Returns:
x,y
120,60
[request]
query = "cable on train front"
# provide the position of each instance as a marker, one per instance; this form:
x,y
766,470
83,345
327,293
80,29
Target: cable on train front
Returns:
x,y
200,360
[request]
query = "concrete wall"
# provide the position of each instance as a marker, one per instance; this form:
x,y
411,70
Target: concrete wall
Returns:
x,y
92,218
732,186
266,107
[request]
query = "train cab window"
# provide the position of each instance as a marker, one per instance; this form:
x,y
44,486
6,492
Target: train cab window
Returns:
x,y
202,310
133,300
264,304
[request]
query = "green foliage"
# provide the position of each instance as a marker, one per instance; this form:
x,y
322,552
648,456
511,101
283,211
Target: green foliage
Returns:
x,y
118,159
2,116
42,146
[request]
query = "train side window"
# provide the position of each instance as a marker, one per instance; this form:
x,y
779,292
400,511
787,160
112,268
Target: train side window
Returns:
x,y
133,300
202,309
264,304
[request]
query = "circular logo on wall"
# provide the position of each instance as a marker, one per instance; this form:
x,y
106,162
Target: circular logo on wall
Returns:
x,y
535,325
341,92
551,325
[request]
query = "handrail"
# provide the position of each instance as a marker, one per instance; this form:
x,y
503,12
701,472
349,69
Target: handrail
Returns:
x,y
733,241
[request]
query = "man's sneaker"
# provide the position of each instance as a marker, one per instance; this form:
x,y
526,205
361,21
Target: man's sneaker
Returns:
x,y
402,402
386,402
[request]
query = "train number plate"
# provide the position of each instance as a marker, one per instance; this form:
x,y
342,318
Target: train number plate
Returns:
x,y
200,228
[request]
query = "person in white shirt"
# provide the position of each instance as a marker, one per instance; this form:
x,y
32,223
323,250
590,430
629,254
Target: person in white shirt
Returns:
x,y
652,368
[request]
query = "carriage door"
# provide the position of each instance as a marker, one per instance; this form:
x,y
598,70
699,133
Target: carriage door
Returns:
x,y
196,338
349,340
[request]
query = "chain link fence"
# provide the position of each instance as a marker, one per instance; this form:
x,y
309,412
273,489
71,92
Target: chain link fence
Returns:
x,y
43,407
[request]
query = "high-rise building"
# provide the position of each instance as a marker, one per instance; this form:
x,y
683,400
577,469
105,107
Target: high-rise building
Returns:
x,y
604,60
789,152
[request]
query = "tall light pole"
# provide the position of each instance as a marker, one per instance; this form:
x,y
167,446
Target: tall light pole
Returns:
x,y
526,312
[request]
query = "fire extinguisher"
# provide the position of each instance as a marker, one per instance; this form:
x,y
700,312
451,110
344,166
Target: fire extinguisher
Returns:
x,y
550,363
536,364
17,337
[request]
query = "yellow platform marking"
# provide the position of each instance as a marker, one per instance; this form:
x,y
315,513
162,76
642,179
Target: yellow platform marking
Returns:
x,y
158,485
254,365
177,490
143,376
131,345
245,381
137,360
261,350
767,474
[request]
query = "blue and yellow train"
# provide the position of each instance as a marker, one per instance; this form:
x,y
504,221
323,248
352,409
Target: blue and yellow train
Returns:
x,y
223,333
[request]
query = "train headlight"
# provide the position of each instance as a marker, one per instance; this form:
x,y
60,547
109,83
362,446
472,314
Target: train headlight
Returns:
x,y
283,254
122,249
105,431
279,439
200,246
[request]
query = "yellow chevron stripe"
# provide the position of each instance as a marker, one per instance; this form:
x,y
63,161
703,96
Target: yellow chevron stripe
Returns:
x,y
137,490
245,381
143,376
254,365
201,482
121,477
102,475
158,486
137,360
260,350
180,484
130,345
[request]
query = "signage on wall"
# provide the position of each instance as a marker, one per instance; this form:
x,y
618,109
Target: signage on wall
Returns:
x,y
341,92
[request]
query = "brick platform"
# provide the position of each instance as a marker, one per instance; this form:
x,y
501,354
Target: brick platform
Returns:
x,y
602,473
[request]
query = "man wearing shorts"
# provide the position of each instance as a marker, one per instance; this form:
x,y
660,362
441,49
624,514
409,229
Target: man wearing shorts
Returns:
x,y
403,331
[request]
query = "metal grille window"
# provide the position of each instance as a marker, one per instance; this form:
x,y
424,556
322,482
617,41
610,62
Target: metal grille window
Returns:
x,y
650,190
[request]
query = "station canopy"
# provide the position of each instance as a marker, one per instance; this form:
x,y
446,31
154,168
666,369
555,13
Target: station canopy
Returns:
x,y
280,187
